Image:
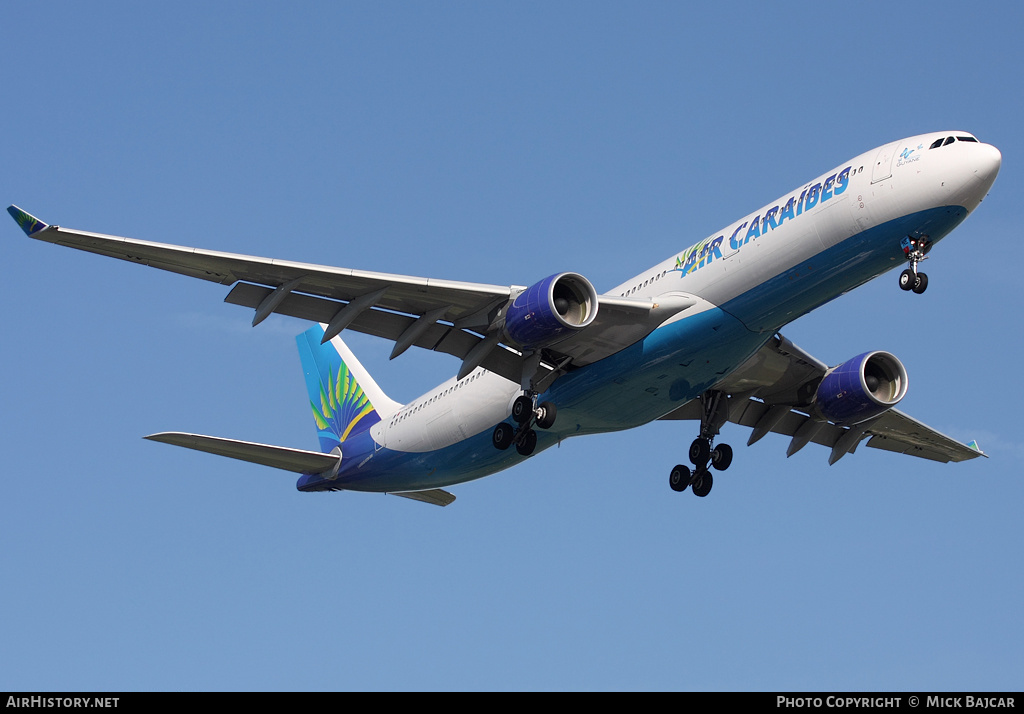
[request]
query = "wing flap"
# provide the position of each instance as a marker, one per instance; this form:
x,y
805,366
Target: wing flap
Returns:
x,y
752,411
387,325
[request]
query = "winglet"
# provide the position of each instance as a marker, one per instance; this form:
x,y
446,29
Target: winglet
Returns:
x,y
974,445
29,223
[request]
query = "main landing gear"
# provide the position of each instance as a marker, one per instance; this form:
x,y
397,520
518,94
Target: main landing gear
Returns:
x,y
703,454
914,249
526,412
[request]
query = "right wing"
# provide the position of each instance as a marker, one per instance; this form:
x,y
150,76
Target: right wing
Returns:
x,y
458,318
773,390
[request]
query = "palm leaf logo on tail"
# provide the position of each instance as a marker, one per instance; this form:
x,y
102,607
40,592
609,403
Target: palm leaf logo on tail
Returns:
x,y
340,407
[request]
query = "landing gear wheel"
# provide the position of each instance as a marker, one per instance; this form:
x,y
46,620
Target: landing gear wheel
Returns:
x,y
679,479
721,457
714,412
921,284
502,436
908,278
700,452
702,482
522,409
527,443
546,415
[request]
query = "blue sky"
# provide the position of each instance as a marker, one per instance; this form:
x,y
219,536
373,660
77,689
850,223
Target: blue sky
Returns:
x,y
499,143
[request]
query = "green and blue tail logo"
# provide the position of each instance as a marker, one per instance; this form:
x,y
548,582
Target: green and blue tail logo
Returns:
x,y
341,408
29,223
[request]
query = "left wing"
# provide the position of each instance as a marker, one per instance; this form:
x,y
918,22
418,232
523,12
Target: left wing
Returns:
x,y
772,392
459,318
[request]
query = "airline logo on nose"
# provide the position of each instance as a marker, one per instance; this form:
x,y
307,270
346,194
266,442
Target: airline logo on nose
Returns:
x,y
906,158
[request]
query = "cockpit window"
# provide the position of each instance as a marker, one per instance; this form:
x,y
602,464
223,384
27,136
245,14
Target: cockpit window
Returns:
x,y
946,141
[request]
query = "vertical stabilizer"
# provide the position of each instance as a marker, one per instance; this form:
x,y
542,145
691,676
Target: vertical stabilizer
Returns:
x,y
344,397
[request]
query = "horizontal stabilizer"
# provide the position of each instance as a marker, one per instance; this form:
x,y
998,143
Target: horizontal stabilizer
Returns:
x,y
436,496
278,457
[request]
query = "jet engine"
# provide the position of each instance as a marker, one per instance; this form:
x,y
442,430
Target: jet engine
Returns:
x,y
861,388
551,310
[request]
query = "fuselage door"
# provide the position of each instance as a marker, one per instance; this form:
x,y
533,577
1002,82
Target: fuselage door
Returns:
x,y
883,162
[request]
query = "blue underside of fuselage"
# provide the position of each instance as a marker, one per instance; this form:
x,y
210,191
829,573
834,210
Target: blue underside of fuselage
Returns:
x,y
839,269
671,366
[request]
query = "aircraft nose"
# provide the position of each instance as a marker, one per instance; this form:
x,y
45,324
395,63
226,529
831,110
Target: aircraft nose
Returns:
x,y
987,162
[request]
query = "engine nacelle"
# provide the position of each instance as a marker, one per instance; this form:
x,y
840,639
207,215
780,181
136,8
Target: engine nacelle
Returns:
x,y
862,388
551,310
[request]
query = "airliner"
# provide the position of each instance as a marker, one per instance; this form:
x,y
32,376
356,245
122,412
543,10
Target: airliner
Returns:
x,y
696,337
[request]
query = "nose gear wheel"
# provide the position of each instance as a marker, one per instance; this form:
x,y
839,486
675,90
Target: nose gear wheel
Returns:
x,y
914,250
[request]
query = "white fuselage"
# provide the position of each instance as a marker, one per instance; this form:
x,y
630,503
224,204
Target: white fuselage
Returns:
x,y
755,275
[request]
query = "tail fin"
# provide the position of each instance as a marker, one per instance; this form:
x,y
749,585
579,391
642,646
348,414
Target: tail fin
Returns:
x,y
343,395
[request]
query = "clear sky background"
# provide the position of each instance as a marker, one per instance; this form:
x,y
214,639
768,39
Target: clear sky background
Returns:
x,y
499,143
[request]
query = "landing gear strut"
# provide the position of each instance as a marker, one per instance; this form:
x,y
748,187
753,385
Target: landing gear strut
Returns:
x,y
914,249
527,413
714,412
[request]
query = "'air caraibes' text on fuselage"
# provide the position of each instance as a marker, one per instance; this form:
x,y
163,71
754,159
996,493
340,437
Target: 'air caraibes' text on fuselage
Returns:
x,y
706,251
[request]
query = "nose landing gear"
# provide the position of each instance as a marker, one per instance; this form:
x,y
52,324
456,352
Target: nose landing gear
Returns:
x,y
914,249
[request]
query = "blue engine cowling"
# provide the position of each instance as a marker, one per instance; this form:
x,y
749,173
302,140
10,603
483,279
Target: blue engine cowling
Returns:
x,y
862,388
551,310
